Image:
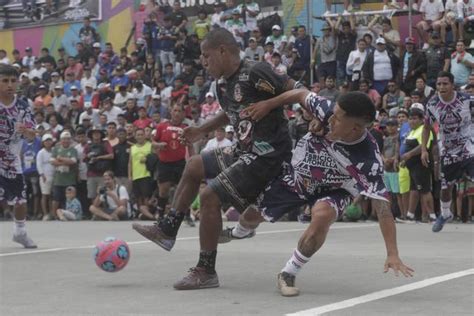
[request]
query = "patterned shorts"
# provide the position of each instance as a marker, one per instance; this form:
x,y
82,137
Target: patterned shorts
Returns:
x,y
13,191
452,173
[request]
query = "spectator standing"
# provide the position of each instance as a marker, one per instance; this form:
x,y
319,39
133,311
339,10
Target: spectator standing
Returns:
x,y
142,94
28,154
143,119
3,57
390,160
394,97
168,36
64,159
413,65
437,59
216,17
354,63
87,33
380,66
71,84
462,63
75,68
178,17
326,47
303,47
253,51
346,41
137,170
237,27
202,25
28,60
277,38
391,36
81,139
37,71
45,173
120,79
98,155
111,111
249,10
121,158
111,137
88,79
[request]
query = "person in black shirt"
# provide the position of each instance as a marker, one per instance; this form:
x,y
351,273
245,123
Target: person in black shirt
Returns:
x,y
237,175
87,33
178,17
121,157
46,57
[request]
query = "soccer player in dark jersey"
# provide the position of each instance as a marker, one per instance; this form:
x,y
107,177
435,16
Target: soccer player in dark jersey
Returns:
x,y
327,170
237,175
16,121
453,111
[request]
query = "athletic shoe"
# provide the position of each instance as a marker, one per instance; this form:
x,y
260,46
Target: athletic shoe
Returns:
x,y
440,221
197,279
286,284
226,235
155,234
24,240
190,221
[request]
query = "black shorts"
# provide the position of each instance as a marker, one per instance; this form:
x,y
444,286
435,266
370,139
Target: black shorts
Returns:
x,y
420,179
142,188
13,190
279,199
170,171
239,178
327,69
32,184
452,173
59,193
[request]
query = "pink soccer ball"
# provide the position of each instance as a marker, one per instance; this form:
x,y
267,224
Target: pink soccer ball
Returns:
x,y
112,254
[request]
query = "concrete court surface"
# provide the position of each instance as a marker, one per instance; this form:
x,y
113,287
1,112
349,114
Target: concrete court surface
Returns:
x,y
344,278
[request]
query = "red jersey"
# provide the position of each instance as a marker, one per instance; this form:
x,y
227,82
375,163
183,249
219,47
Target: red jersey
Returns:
x,y
169,134
142,123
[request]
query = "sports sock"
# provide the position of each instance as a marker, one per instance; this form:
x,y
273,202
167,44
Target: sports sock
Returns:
x,y
240,231
410,215
296,262
432,215
162,206
170,224
446,209
19,227
207,260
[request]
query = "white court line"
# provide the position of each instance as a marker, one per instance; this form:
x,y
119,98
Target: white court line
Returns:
x,y
29,252
381,294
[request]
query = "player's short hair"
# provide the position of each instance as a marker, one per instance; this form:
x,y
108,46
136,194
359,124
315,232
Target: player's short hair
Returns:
x,y
221,37
8,70
445,74
357,105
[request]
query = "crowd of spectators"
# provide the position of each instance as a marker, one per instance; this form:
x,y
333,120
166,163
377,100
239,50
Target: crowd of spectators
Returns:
x,y
108,122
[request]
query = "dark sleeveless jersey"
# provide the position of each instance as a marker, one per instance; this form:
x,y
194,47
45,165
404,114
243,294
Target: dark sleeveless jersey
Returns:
x,y
253,82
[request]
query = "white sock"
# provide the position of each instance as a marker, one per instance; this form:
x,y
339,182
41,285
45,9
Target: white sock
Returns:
x,y
19,227
296,262
432,215
446,209
240,231
410,215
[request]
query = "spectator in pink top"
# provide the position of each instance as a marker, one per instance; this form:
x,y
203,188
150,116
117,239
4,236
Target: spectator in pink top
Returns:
x,y
210,107
364,86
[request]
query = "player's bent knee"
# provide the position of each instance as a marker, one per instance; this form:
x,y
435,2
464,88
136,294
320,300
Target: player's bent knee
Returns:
x,y
322,214
194,168
208,198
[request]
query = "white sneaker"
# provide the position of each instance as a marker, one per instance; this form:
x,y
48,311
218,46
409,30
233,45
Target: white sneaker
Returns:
x,y
426,46
24,240
327,13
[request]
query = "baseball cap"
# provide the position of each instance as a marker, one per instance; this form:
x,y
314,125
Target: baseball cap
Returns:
x,y
410,40
140,41
156,96
417,106
74,88
276,27
210,94
23,74
229,129
58,87
236,11
252,39
46,137
380,40
28,49
54,74
42,86
88,84
65,135
96,45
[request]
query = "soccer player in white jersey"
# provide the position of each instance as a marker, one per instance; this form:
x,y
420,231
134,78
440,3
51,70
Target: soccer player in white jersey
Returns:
x,y
16,121
453,111
326,172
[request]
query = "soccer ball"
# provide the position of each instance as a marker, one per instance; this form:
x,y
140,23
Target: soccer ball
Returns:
x,y
112,254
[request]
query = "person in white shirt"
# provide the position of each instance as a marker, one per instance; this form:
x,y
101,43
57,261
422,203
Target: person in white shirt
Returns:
x,y
45,172
219,141
111,111
122,96
3,57
90,113
88,79
60,100
230,134
142,93
252,10
164,92
278,39
254,52
29,59
37,71
449,19
217,16
355,62
432,11
465,13
277,66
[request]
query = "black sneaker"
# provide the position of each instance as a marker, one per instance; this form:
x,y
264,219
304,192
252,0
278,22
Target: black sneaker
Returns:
x,y
226,235
190,221
286,284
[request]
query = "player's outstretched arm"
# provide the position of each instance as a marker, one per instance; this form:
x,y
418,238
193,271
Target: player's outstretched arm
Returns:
x,y
387,227
259,110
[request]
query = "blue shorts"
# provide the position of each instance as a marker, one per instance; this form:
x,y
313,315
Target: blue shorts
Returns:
x,y
279,199
391,181
13,190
